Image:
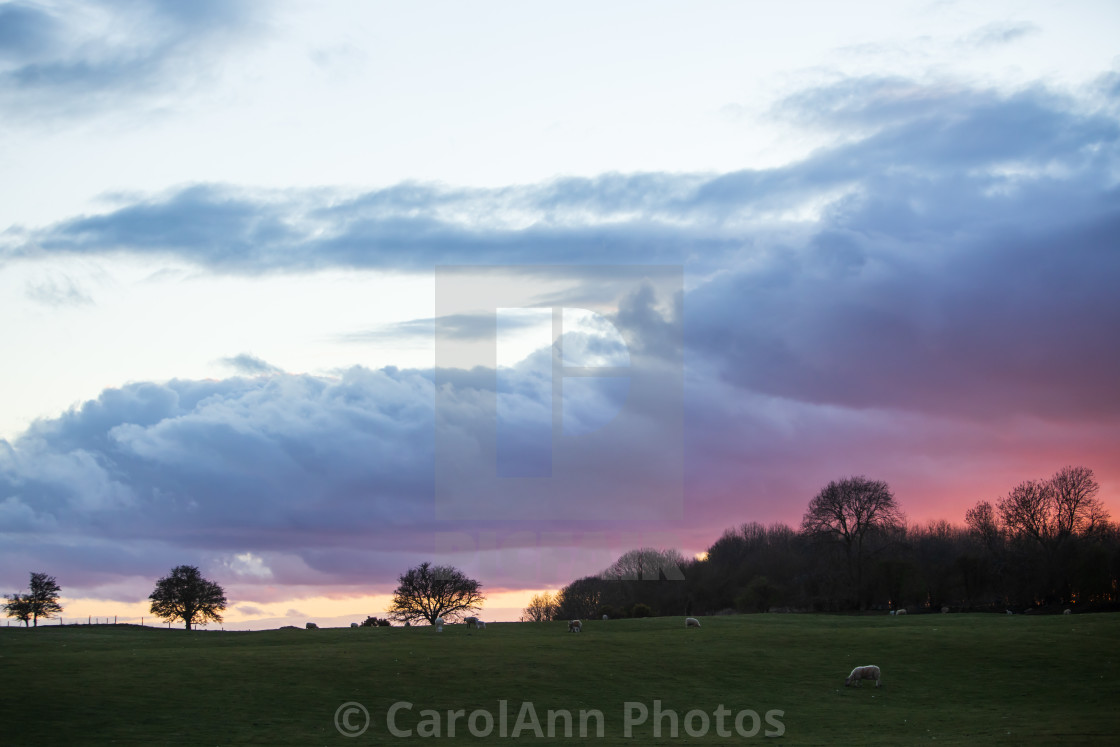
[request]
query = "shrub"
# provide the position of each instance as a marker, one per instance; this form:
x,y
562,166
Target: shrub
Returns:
x,y
759,595
641,610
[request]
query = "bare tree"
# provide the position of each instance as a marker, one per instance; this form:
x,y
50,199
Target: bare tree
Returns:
x,y
1056,517
1077,510
1050,511
185,595
982,521
542,608
646,564
427,592
850,511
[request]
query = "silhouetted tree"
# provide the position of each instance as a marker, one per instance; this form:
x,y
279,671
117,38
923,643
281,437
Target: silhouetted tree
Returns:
x,y
43,597
542,608
850,512
1049,522
19,607
646,564
427,592
185,595
580,599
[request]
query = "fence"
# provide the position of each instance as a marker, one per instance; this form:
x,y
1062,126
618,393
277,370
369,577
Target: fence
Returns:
x,y
144,622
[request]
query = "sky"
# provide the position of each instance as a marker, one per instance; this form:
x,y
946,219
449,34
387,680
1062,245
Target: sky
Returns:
x,y
305,294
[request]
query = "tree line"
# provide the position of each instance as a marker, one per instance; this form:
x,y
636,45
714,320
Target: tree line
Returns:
x,y
1045,544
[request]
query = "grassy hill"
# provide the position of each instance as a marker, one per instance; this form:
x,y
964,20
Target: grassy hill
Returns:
x,y
948,679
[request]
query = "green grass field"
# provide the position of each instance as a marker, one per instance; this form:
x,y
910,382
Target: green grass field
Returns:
x,y
952,679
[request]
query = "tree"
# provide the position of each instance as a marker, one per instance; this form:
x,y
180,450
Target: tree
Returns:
x,y
981,520
427,592
19,607
581,598
43,597
1055,517
850,511
185,595
1050,511
1077,509
542,608
646,564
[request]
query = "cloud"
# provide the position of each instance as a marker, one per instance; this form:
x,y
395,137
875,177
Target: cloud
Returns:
x,y
994,34
913,164
929,300
69,57
58,291
251,610
251,365
279,480
968,271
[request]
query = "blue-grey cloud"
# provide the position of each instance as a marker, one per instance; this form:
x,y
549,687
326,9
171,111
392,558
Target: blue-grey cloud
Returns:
x,y
251,365
58,291
284,479
1003,32
71,57
940,164
457,326
968,272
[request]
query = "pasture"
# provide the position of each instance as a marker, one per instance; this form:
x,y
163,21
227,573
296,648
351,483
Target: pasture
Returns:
x,y
947,679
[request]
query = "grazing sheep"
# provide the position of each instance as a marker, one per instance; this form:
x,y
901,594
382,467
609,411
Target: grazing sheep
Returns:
x,y
1009,612
479,625
892,612
902,611
1067,612
866,672
944,610
575,626
470,620
691,622
312,626
353,625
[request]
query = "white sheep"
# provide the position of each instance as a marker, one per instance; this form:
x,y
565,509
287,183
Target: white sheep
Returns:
x,y
470,620
944,610
1067,612
902,611
866,672
479,625
604,617
691,622
575,626
1009,612
439,624
893,612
